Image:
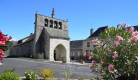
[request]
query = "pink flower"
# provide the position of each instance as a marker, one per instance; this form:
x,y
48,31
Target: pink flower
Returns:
x,y
100,68
84,54
122,23
105,53
110,68
101,62
115,54
134,43
96,44
5,38
90,57
101,79
118,38
131,29
135,33
1,58
130,39
1,52
10,38
104,46
115,70
91,64
95,40
126,29
108,49
2,43
135,38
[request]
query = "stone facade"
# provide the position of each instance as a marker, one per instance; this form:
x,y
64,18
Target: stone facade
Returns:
x,y
50,36
86,45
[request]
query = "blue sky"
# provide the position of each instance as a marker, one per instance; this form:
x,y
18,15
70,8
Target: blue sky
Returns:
x,y
17,17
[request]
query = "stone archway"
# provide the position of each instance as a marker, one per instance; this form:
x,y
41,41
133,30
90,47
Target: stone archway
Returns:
x,y
59,53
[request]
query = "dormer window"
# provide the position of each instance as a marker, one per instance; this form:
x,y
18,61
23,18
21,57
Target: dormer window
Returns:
x,y
46,23
60,25
51,24
55,24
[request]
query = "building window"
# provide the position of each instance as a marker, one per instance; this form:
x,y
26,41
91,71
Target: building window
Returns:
x,y
78,53
55,24
46,23
88,44
51,23
72,53
60,25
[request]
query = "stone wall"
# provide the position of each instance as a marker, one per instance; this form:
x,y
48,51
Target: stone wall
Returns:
x,y
18,51
47,44
12,50
75,51
40,21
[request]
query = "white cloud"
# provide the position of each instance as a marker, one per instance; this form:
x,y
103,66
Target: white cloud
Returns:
x,y
13,39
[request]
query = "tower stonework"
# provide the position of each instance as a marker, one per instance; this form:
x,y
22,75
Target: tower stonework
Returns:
x,y
53,33
50,37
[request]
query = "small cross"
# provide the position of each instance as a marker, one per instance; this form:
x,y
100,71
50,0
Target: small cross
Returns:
x,y
67,19
36,12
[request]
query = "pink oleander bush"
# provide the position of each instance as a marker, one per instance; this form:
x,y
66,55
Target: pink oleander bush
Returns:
x,y
118,58
3,40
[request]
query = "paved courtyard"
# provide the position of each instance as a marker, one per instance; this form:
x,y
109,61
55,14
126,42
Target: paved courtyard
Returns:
x,y
23,65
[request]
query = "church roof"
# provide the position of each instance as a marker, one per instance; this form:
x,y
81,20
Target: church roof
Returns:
x,y
31,37
57,33
76,44
96,33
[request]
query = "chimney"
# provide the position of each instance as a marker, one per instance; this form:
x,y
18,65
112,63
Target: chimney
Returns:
x,y
91,31
118,26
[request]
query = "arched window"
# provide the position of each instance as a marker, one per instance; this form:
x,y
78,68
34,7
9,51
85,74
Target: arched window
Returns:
x,y
55,24
46,23
60,25
51,23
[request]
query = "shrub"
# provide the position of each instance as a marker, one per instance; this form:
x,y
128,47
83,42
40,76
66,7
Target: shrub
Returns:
x,y
81,79
9,75
82,57
46,73
30,75
92,79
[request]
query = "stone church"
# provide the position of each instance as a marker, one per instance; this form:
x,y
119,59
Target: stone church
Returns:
x,y
50,36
